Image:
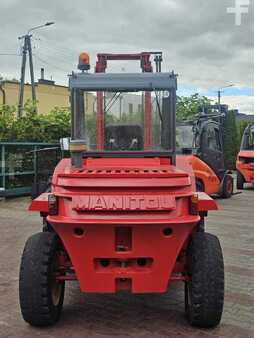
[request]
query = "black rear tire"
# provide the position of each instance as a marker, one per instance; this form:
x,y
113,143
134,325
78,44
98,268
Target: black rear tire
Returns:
x,y
227,186
200,185
240,181
41,296
204,293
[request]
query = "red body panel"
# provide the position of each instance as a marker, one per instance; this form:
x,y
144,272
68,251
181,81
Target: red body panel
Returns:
x,y
246,169
124,211
205,202
40,203
148,241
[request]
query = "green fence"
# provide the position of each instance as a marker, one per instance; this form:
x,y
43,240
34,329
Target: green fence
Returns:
x,y
22,164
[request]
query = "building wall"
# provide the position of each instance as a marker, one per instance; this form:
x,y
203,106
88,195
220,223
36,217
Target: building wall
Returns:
x,y
125,104
48,96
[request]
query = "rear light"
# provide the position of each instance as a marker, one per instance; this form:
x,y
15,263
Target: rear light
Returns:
x,y
194,204
52,204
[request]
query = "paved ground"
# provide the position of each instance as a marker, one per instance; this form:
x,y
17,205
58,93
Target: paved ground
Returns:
x,y
128,315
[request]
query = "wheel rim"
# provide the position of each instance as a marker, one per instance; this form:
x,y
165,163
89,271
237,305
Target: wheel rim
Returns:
x,y
55,286
56,290
229,187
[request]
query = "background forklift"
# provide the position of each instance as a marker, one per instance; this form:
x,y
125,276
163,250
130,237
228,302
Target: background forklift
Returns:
x,y
201,141
122,219
245,158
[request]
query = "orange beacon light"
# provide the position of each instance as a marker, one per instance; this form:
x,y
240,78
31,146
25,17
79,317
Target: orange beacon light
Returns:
x,y
84,61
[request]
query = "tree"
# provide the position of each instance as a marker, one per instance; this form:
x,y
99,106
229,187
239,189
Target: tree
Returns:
x,y
230,141
7,120
189,106
240,125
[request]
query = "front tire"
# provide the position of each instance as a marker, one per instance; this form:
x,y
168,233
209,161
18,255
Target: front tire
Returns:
x,y
204,293
41,295
240,181
227,186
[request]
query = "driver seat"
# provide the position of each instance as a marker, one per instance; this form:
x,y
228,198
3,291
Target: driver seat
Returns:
x,y
127,137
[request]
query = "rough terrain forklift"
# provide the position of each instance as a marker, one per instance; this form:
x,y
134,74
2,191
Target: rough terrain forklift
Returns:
x,y
201,142
124,217
245,158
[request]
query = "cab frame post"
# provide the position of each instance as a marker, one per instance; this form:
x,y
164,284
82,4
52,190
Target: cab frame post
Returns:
x,y
77,143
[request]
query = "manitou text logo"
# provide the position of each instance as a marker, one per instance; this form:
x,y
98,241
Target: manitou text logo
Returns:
x,y
241,7
123,203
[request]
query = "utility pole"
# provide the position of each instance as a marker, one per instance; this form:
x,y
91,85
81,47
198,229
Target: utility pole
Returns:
x,y
22,78
219,100
219,95
27,47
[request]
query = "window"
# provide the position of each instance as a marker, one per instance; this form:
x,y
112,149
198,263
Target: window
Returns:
x,y
213,138
130,108
251,139
218,140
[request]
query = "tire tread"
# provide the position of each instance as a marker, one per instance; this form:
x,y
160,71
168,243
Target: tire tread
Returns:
x,y
207,285
34,293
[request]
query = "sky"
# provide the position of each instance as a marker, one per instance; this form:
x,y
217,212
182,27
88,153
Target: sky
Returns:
x,y
199,40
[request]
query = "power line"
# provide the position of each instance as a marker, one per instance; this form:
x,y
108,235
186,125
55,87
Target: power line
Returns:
x,y
60,50
9,54
56,43
62,59
53,60
49,63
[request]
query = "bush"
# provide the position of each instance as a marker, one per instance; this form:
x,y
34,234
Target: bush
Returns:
x,y
49,128
32,127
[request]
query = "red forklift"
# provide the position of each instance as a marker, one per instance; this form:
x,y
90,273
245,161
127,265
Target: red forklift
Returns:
x,y
201,142
245,158
122,217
